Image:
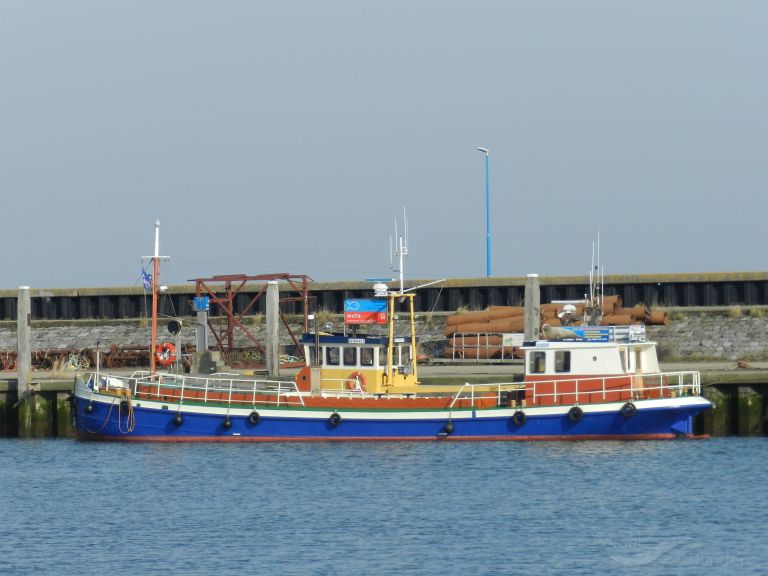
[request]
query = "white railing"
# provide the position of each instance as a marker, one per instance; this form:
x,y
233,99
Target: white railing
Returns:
x,y
179,388
343,387
633,386
486,394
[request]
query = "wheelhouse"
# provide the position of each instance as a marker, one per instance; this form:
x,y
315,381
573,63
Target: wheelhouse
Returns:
x,y
340,351
595,364
586,358
377,364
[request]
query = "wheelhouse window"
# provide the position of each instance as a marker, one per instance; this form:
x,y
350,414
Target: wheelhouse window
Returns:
x,y
405,355
366,356
350,356
537,362
332,355
563,361
311,355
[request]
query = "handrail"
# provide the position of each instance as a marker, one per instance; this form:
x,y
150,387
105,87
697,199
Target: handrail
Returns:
x,y
500,386
342,390
680,382
245,392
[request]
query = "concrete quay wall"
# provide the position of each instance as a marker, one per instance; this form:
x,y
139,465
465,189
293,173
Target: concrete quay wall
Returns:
x,y
713,334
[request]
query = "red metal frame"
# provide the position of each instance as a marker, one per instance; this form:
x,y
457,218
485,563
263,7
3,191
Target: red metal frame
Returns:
x,y
233,285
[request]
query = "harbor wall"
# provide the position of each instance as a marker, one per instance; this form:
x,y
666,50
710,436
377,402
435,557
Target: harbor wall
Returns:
x,y
685,290
732,333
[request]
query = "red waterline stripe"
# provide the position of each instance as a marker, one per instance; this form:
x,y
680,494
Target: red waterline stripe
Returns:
x,y
568,438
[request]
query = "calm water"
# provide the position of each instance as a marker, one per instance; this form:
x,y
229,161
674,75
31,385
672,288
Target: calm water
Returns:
x,y
650,508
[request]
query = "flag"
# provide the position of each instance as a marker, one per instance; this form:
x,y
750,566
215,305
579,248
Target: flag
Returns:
x,y
147,279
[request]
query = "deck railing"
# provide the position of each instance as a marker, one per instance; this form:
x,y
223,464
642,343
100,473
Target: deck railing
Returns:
x,y
346,386
230,389
584,391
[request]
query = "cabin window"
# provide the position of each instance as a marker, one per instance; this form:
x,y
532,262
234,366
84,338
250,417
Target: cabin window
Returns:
x,y
537,363
332,355
311,355
405,355
350,356
563,361
383,352
366,356
623,359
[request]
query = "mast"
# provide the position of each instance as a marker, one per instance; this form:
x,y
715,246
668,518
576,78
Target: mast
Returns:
x,y
593,310
155,258
155,275
400,251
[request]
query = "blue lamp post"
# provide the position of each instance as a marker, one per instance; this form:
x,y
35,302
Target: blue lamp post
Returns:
x,y
487,213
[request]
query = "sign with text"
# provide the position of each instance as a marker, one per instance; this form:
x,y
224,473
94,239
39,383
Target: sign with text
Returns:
x,y
589,333
514,340
365,311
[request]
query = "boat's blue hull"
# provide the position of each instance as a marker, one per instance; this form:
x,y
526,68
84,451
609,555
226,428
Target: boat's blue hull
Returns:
x,y
109,420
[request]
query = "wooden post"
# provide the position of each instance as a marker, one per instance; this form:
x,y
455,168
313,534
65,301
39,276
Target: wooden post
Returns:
x,y
532,307
273,319
24,362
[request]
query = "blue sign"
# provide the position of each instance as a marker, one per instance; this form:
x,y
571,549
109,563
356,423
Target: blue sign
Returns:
x,y
591,333
365,311
368,305
201,303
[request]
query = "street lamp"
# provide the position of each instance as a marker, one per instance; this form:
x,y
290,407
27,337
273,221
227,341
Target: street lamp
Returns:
x,y
487,212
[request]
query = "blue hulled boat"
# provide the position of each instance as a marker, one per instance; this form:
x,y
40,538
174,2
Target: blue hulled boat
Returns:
x,y
581,383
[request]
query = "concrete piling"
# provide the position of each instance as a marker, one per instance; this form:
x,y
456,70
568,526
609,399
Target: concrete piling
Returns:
x,y
751,411
9,416
43,413
272,321
63,420
24,403
532,307
718,420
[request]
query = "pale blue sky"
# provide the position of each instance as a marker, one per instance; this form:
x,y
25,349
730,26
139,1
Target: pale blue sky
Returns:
x,y
286,136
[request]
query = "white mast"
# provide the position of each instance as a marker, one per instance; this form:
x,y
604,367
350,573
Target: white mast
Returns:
x,y
155,289
401,251
594,304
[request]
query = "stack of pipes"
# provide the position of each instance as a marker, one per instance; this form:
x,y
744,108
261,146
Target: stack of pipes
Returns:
x,y
478,334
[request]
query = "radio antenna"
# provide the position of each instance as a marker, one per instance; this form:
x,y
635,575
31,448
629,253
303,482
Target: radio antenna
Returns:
x,y
400,251
594,307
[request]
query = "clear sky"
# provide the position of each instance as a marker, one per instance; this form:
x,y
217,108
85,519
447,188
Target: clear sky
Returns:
x,y
286,136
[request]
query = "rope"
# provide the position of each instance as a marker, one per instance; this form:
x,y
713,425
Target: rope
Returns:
x,y
106,419
130,418
437,298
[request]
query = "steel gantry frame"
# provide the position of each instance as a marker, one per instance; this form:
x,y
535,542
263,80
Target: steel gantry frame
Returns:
x,y
233,285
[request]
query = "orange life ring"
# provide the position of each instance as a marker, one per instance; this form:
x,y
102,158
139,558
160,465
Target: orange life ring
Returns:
x,y
354,379
165,353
